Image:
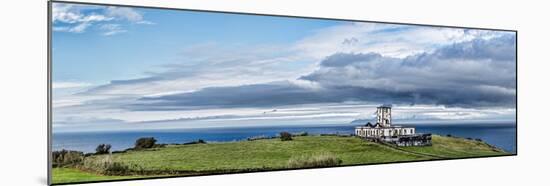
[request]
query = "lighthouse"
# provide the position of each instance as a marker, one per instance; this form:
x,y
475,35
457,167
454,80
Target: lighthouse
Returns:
x,y
383,115
384,131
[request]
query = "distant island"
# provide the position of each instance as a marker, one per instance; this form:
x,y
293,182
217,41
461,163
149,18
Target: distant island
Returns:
x,y
286,151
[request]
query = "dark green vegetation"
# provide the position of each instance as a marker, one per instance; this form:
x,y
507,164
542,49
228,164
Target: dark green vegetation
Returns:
x,y
263,154
65,158
285,136
144,143
103,149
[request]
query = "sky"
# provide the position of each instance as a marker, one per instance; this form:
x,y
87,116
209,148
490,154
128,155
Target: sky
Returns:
x,y
120,68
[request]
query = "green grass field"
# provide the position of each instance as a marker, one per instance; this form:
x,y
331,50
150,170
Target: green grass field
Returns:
x,y
66,175
273,154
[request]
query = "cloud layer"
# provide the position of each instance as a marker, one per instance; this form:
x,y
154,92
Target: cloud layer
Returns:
x,y
477,73
333,75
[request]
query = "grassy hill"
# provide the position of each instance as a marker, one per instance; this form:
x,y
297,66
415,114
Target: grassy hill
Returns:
x,y
267,154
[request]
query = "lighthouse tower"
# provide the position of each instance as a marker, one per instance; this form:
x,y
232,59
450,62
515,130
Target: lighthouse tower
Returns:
x,y
383,115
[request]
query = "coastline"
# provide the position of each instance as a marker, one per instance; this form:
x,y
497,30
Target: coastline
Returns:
x,y
272,154
502,136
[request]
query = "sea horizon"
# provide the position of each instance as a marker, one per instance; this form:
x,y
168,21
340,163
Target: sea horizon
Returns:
x,y
501,135
403,123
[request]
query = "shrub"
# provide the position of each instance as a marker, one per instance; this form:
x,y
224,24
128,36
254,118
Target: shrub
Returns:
x,y
106,166
320,160
285,136
117,168
65,158
103,149
145,143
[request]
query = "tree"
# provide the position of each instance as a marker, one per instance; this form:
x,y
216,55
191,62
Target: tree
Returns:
x,y
66,158
145,143
285,136
103,149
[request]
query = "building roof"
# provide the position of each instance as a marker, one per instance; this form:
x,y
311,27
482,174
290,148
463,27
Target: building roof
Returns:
x,y
377,125
385,106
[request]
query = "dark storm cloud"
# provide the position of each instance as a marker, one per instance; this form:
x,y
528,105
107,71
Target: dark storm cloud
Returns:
x,y
478,73
104,89
257,95
469,74
261,95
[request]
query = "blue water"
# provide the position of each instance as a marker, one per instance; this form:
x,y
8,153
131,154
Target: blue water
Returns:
x,y
500,135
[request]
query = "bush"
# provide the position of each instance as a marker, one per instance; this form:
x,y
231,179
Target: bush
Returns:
x,y
285,136
106,166
320,160
103,149
117,168
145,143
66,158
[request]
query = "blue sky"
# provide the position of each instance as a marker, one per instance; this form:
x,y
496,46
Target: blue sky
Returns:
x,y
118,68
142,46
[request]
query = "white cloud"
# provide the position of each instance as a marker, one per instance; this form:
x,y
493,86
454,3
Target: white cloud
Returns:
x,y
73,19
112,29
145,22
80,27
124,13
386,39
78,18
64,13
59,85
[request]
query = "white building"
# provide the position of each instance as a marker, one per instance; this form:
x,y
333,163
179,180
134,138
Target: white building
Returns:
x,y
383,130
383,116
383,127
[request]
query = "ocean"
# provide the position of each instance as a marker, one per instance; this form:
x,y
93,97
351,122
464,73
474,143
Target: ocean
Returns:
x,y
502,135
